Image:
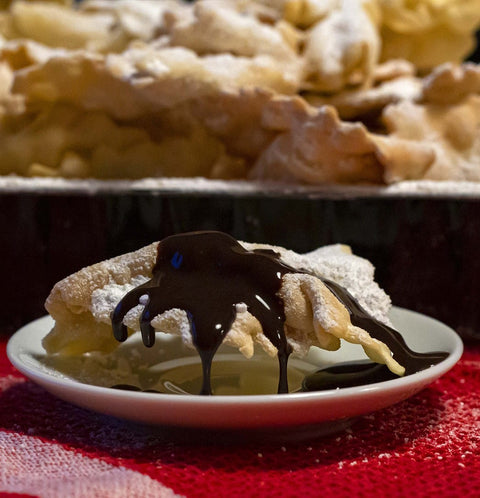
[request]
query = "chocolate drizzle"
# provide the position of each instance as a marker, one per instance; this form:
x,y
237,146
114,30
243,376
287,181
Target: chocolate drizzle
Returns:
x,y
412,361
350,374
208,273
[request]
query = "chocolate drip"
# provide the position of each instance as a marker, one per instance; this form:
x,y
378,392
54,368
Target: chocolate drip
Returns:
x,y
412,361
349,374
130,387
207,274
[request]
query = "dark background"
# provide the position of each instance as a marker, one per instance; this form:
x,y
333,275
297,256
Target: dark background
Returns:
x,y
425,250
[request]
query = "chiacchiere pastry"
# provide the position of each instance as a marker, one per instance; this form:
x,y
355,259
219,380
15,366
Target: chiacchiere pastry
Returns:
x,y
211,289
293,91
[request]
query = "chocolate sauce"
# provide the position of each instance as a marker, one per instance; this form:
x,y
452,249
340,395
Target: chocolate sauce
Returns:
x,y
412,361
130,387
349,374
208,273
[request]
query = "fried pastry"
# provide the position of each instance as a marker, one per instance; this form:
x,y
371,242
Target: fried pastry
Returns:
x,y
361,103
315,146
295,91
86,299
343,49
446,134
428,32
450,84
210,290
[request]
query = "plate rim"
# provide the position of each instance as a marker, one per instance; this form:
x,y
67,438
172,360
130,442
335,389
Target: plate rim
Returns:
x,y
393,386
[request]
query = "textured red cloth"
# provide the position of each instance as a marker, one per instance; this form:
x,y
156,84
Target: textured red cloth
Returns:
x,y
426,446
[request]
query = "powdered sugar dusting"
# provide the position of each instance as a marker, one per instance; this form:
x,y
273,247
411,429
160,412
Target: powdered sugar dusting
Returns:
x,y
332,262
337,263
106,298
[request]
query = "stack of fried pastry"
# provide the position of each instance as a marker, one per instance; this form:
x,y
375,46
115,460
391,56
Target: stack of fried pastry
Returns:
x,y
298,91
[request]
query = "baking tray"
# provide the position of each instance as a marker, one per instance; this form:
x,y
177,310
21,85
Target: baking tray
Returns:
x,y
423,237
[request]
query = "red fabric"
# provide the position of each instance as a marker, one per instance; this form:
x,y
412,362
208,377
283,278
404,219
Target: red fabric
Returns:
x,y
425,446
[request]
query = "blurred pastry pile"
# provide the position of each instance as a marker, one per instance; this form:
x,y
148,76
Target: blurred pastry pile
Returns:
x,y
297,91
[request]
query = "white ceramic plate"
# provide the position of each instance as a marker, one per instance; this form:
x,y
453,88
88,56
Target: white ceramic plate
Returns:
x,y
325,410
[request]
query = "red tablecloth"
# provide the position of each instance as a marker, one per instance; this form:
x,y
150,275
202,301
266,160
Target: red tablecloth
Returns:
x,y
425,446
